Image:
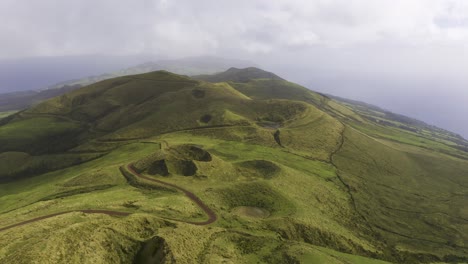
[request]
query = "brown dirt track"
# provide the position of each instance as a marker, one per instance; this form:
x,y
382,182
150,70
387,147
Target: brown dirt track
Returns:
x,y
211,214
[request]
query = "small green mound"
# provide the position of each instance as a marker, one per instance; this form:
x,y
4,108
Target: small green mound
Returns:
x,y
254,194
260,168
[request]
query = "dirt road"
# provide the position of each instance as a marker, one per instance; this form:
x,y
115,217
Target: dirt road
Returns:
x,y
210,213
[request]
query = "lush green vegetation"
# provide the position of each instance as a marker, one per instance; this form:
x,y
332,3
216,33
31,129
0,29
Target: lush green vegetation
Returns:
x,y
293,176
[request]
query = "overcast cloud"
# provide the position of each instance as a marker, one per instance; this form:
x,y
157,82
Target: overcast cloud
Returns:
x,y
353,48
186,27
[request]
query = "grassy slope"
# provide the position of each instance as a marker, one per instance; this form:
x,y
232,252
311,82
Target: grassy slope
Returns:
x,y
405,135
412,198
439,174
104,171
334,186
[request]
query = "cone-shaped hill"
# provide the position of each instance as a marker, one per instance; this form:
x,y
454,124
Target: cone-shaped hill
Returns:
x,y
241,166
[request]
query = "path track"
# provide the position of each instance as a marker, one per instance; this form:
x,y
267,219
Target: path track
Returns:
x,y
210,213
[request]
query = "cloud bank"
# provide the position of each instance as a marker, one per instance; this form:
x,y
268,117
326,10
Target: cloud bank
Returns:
x,y
362,47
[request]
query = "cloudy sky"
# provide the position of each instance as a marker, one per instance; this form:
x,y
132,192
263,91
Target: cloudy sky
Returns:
x,y
409,56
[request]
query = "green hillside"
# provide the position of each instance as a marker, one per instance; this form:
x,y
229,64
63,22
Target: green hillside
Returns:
x,y
237,167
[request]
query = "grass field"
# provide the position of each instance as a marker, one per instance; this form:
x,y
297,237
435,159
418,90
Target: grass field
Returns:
x,y
34,194
292,176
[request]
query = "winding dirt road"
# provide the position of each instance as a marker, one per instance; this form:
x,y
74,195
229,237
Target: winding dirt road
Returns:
x,y
208,211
